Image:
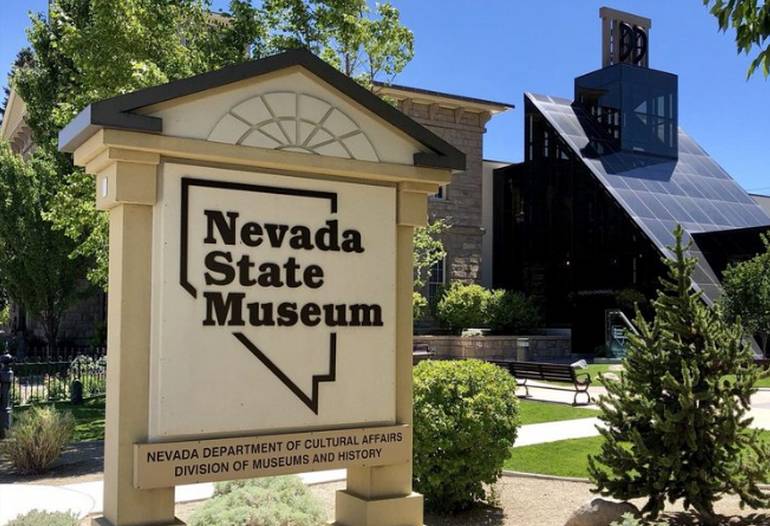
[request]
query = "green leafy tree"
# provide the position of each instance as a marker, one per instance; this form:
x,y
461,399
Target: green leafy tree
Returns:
x,y
676,424
751,21
35,264
88,50
428,250
747,294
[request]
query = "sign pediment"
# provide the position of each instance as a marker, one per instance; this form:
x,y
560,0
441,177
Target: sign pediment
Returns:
x,y
292,101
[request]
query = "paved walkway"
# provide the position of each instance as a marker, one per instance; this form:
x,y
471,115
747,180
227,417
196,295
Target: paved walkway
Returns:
x,y
86,498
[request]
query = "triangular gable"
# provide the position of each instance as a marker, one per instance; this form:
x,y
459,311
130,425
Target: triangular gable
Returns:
x,y
300,104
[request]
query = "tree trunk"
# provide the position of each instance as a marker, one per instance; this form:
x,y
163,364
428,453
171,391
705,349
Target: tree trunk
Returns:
x,y
52,321
707,515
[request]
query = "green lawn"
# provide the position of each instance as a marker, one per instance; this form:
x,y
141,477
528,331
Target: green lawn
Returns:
x,y
565,458
89,418
533,412
596,369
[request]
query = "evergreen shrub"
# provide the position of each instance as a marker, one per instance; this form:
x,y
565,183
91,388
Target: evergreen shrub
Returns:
x,y
272,501
676,425
466,416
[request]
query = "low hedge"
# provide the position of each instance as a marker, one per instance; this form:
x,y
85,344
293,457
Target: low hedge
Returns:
x,y
470,306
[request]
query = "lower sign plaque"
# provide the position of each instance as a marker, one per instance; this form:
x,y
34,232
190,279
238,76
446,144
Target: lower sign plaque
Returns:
x,y
166,464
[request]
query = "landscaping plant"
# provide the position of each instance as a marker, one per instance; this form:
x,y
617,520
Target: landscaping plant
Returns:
x,y
45,518
37,438
747,294
466,416
419,306
675,425
272,501
463,306
511,312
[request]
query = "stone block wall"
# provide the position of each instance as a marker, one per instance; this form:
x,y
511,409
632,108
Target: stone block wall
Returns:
x,y
461,203
542,348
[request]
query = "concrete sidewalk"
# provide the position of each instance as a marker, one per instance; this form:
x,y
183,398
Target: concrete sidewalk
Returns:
x,y
586,427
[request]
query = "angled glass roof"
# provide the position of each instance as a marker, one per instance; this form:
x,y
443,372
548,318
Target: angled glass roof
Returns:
x,y
659,193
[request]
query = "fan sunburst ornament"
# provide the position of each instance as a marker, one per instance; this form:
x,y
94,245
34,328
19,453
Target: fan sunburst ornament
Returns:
x,y
294,122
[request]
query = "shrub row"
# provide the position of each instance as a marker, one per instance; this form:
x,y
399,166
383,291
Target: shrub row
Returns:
x,y
466,306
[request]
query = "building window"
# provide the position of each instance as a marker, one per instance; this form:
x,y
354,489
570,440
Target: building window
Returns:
x,y
440,195
436,279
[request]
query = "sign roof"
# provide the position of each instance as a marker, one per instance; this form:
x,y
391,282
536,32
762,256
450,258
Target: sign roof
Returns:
x,y
121,112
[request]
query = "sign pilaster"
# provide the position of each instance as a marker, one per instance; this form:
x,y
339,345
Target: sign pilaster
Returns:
x,y
127,190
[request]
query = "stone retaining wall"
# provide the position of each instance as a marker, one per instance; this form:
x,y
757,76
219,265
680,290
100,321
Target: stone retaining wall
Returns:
x,y
541,347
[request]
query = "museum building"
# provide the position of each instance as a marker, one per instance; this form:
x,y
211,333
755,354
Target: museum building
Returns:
x,y
583,221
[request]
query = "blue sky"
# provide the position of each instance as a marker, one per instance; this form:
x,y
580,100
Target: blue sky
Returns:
x,y
498,49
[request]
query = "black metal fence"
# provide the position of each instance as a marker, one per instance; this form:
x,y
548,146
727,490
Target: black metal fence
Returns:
x,y
60,353
59,377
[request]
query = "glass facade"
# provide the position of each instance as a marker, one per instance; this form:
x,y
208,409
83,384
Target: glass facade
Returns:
x,y
561,238
606,179
635,107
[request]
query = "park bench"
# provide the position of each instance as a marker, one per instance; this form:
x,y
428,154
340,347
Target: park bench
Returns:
x,y
420,352
549,372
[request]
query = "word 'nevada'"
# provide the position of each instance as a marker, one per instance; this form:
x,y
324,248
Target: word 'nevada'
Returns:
x,y
299,237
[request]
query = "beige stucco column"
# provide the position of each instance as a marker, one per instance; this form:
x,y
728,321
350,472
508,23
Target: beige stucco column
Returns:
x,y
383,496
126,187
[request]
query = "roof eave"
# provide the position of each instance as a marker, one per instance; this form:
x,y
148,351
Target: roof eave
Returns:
x,y
447,99
117,112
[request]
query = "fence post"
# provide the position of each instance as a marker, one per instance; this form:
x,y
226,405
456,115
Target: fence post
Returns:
x,y
6,384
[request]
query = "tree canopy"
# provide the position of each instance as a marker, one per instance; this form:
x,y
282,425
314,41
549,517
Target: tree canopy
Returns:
x,y
87,50
751,21
36,267
747,294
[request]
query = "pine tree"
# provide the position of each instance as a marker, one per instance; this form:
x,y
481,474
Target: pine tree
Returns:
x,y
676,424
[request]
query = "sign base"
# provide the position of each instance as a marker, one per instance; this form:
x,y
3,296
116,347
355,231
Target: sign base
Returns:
x,y
353,510
102,521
